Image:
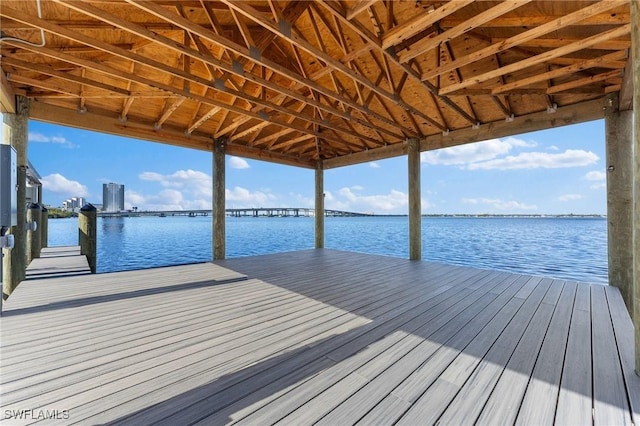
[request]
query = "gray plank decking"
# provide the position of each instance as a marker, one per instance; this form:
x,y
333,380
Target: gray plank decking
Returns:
x,y
318,336
58,262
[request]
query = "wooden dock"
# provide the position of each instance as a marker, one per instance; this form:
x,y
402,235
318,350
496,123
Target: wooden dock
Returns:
x,y
55,262
318,336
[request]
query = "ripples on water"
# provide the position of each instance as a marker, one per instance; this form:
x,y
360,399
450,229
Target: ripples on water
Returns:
x,y
568,248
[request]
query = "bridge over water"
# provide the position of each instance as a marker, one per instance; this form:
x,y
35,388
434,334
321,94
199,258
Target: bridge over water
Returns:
x,y
239,212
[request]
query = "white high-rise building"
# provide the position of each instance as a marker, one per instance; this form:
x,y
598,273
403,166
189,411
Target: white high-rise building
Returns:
x,y
73,204
112,197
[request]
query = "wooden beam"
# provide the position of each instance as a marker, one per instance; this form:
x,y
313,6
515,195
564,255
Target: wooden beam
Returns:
x,y
427,44
85,8
133,128
290,142
617,18
244,52
531,34
583,82
273,157
360,6
7,95
583,65
413,74
543,57
48,70
303,44
199,122
552,43
244,30
626,89
565,115
46,85
169,109
160,66
418,23
253,129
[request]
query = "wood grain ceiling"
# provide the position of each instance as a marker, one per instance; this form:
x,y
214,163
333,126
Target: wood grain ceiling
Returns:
x,y
301,81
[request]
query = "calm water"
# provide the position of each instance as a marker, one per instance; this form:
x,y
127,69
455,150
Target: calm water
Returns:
x,y
563,248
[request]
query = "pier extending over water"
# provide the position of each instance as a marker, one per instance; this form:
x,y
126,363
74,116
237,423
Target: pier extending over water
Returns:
x,y
312,336
240,212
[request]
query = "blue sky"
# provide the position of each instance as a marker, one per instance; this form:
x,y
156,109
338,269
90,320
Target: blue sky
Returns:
x,y
554,171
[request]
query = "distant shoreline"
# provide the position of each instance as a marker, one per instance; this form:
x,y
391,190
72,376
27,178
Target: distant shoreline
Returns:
x,y
515,216
432,215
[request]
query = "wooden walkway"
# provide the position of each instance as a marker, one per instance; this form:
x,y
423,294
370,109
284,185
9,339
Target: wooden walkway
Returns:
x,y
61,261
318,336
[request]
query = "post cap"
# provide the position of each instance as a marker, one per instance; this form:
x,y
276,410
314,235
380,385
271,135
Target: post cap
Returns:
x,y
88,208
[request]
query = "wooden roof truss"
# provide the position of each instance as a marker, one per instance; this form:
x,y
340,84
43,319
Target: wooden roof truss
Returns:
x,y
302,81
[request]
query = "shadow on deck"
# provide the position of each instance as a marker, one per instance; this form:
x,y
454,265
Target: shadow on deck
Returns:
x,y
320,336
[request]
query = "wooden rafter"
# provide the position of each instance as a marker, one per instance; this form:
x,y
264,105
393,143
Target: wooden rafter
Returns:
x,y
573,47
168,110
154,64
531,34
47,70
248,11
557,88
427,44
244,52
307,81
420,22
591,19
560,72
358,7
372,39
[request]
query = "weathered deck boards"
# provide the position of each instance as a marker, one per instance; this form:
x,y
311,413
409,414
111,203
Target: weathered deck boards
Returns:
x,y
318,336
58,262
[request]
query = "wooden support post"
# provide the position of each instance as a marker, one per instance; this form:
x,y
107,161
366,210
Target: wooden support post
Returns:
x,y
15,131
635,67
619,148
34,214
219,236
319,217
44,228
87,234
415,213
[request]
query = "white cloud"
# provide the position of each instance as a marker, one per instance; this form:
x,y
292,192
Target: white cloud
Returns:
x,y
239,197
499,204
348,200
570,197
374,165
195,183
238,163
167,199
301,201
473,152
492,155
152,176
595,175
61,185
184,189
539,160
601,185
60,140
